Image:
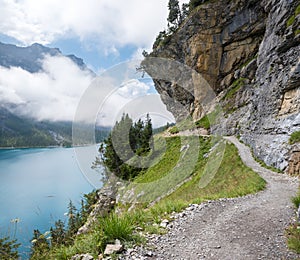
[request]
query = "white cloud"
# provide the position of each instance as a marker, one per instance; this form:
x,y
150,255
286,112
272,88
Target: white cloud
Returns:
x,y
55,93
133,98
133,89
52,94
109,22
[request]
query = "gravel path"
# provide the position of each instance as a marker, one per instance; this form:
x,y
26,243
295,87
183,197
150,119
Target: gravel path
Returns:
x,y
250,227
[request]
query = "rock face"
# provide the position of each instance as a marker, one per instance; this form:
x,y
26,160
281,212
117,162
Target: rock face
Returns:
x,y
248,51
106,198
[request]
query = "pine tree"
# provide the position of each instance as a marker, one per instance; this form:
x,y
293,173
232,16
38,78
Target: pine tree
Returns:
x,y
125,140
146,135
72,220
58,233
184,11
174,14
40,245
8,248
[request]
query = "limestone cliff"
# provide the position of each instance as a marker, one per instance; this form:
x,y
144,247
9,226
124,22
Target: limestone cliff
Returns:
x,y
249,53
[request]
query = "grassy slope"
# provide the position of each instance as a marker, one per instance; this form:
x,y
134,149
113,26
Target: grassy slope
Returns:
x,y
232,179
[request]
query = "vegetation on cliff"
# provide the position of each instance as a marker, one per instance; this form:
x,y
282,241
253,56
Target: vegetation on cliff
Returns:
x,y
295,137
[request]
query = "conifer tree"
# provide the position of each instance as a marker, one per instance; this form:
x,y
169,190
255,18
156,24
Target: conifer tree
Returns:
x,y
58,233
174,14
8,248
39,244
125,140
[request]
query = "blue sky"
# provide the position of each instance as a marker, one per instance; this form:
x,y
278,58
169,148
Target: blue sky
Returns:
x,y
104,33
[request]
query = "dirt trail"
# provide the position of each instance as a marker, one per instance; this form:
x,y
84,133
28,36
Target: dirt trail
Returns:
x,y
250,227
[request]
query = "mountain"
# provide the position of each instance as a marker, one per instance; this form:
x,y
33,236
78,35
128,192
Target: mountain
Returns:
x,y
29,58
248,52
25,132
20,131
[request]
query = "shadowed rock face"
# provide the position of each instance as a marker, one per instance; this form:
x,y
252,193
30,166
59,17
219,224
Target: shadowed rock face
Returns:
x,y
249,54
217,38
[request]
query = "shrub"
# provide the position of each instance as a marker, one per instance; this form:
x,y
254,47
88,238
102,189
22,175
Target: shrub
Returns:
x,y
174,130
295,137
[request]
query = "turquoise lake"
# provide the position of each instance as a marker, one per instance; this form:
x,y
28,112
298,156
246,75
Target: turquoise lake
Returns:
x,y
36,186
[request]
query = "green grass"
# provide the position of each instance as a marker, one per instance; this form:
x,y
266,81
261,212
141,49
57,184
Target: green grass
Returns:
x,y
166,164
293,237
293,232
173,130
235,86
105,231
263,164
295,137
296,200
210,119
248,61
231,179
116,227
297,11
290,21
203,123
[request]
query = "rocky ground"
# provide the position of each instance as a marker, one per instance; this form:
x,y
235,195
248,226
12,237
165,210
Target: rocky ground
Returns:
x,y
250,227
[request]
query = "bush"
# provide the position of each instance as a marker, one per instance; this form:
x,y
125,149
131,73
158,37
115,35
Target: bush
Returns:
x,y
174,130
295,137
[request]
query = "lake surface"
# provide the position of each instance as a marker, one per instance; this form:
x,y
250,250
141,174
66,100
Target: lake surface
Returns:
x,y
36,186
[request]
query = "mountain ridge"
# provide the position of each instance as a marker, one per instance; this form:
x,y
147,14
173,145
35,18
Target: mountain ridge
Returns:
x,y
29,58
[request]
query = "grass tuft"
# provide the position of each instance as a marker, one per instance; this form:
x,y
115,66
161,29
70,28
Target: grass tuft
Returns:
x,y
116,227
293,235
295,137
290,21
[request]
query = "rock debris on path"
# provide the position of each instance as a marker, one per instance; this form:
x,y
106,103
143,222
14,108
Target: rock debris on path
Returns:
x,y
250,227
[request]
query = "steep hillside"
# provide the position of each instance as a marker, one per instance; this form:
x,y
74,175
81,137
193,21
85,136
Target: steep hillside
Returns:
x,y
248,52
16,131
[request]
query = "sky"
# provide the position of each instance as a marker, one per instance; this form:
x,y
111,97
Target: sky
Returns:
x,y
104,33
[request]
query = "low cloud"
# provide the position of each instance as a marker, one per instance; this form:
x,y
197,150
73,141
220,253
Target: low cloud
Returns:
x,y
54,94
49,95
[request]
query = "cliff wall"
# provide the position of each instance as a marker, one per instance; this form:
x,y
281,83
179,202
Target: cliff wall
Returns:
x,y
249,53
